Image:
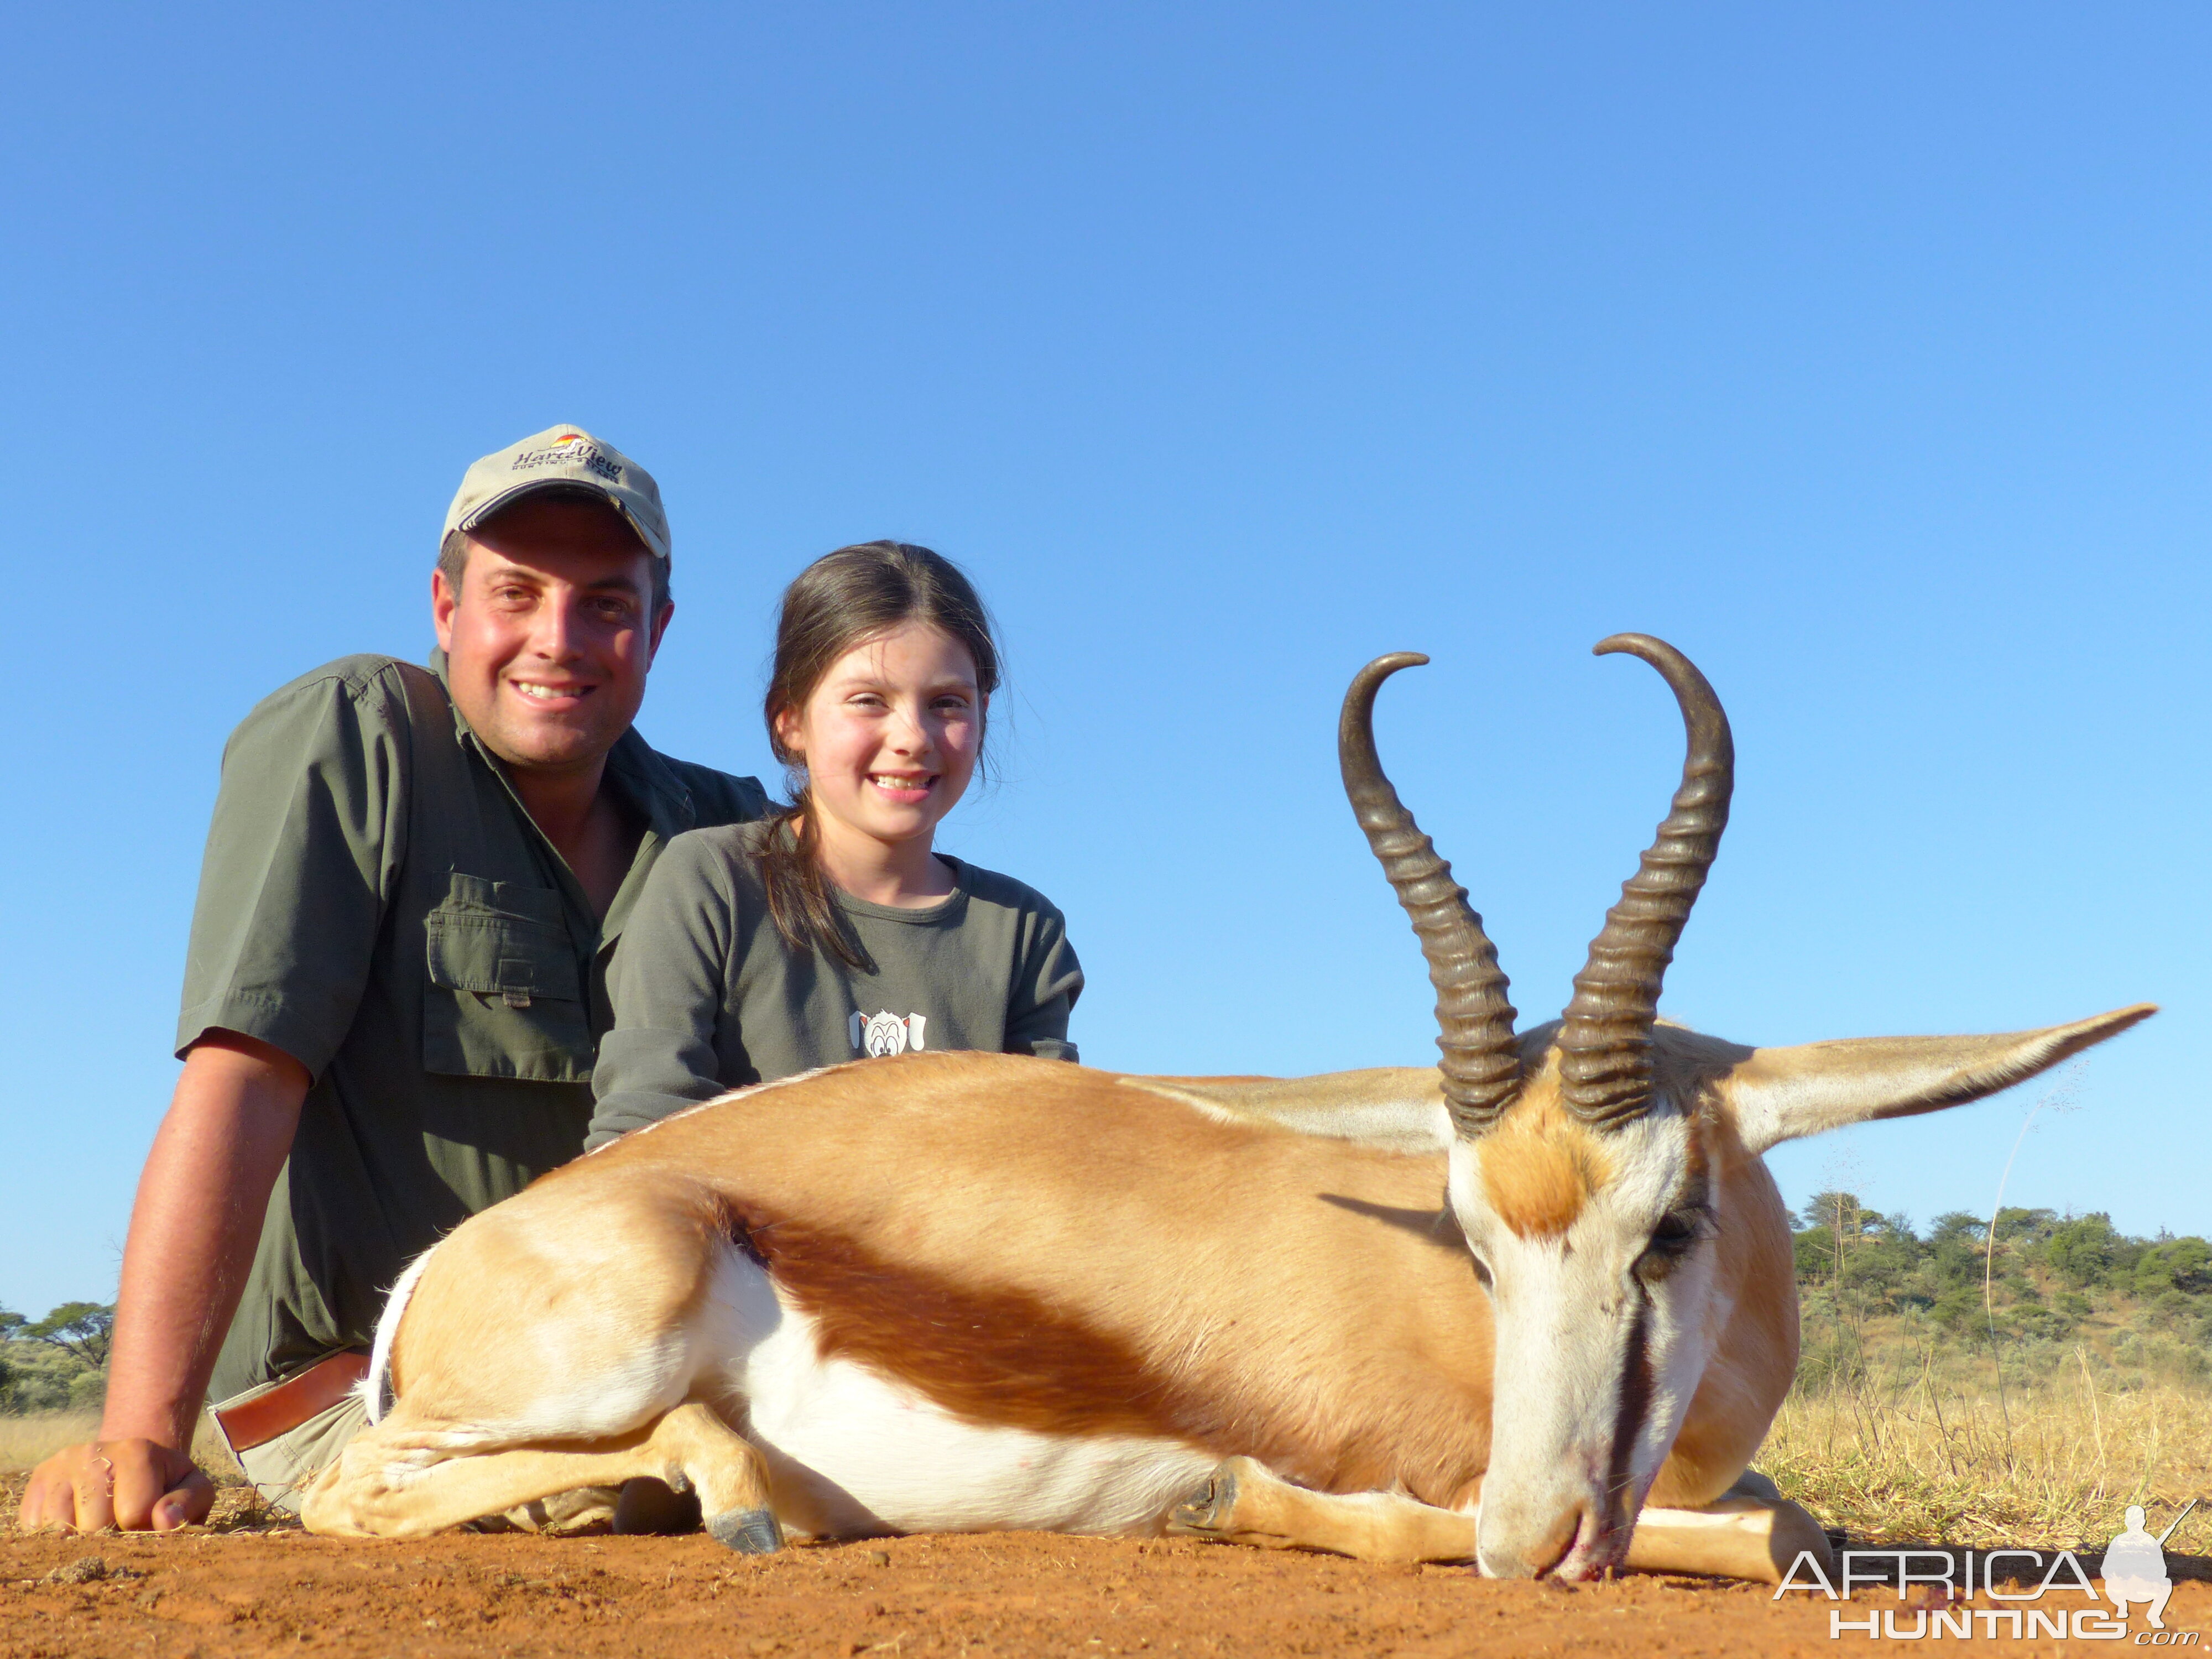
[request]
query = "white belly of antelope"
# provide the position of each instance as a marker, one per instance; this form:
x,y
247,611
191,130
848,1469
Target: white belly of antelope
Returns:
x,y
852,1451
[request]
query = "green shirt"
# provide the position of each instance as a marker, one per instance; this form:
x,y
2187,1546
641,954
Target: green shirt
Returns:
x,y
376,902
707,998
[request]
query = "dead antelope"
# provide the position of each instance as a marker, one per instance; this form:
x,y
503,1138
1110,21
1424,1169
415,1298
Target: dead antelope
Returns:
x,y
1533,1308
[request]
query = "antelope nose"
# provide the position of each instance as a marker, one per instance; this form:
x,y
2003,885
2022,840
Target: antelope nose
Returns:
x,y
1539,1550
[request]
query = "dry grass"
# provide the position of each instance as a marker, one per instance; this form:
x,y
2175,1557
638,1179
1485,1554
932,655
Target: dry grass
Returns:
x,y
2051,1465
27,1439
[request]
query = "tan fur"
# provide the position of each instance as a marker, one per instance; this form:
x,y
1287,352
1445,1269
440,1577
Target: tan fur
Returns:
x,y
691,1446
1038,1245
1295,1234
1539,1166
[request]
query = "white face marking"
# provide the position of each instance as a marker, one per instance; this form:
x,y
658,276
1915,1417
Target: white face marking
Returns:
x,y
1598,1327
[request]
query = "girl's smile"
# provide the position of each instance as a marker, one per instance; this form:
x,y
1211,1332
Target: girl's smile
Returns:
x,y
907,789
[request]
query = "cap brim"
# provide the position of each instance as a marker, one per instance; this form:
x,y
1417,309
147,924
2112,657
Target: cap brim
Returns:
x,y
508,498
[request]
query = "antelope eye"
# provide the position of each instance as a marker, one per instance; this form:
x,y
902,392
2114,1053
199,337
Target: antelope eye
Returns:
x,y
1671,1240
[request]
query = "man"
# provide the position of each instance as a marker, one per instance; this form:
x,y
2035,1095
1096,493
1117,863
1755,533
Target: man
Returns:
x,y
397,977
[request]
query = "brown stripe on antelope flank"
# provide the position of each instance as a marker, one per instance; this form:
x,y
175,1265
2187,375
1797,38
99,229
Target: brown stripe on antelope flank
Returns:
x,y
1005,1357
993,1357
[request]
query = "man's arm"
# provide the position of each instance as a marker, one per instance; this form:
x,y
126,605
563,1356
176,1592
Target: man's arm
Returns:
x,y
668,983
193,1229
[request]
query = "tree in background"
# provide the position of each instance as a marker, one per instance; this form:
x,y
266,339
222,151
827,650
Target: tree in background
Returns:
x,y
2174,1264
81,1328
2054,1283
58,1362
2083,1251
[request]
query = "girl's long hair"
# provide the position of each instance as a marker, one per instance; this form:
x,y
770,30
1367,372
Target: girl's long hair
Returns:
x,y
844,599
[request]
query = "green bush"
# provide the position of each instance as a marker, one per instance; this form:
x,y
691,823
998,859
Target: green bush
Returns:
x,y
1958,1308
2081,1251
2064,1291
55,1364
2177,1264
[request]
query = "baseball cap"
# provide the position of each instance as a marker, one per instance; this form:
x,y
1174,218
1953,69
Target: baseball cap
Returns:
x,y
570,458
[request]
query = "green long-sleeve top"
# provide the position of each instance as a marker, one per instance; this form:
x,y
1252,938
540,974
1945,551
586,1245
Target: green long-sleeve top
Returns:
x,y
707,998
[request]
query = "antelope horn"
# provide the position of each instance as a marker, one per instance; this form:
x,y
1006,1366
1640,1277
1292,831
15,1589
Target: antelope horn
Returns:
x,y
1481,1062
1605,1040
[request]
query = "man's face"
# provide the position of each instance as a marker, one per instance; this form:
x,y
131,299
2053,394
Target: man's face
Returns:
x,y
548,641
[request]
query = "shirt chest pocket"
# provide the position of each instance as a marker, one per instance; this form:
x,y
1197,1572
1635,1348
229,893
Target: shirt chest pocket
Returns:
x,y
506,997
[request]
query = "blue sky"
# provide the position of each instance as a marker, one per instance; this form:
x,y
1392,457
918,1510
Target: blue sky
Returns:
x,y
1862,351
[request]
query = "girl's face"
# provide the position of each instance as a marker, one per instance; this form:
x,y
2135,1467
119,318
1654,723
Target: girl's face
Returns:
x,y
889,736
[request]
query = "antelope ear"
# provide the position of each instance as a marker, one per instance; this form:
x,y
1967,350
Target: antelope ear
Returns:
x,y
1781,1094
1400,1108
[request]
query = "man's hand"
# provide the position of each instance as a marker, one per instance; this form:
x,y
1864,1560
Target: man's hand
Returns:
x,y
193,1228
136,1485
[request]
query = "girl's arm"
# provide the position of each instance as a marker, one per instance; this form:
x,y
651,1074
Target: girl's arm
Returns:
x,y
1047,981
669,982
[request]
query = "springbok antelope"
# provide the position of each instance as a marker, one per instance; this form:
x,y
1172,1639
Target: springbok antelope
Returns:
x,y
1532,1307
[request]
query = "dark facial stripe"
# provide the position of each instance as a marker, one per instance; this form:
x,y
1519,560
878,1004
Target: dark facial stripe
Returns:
x,y
1637,1386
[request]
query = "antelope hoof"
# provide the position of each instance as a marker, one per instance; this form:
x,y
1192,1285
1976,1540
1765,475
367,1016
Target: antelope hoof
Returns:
x,y
1206,1512
749,1532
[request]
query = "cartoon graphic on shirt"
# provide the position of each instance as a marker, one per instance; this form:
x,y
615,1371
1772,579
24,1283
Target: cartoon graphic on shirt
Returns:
x,y
878,1034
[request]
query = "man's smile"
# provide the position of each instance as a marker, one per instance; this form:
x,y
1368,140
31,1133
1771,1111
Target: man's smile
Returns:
x,y
545,691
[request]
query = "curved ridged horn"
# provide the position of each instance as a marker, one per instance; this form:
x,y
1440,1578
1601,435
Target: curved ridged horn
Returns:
x,y
1481,1062
1605,1041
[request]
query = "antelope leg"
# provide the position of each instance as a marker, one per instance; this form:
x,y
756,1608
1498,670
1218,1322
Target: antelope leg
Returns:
x,y
1750,1532
406,1480
559,1516
1243,1503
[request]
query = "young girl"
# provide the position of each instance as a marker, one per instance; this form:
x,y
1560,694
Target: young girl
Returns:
x,y
834,930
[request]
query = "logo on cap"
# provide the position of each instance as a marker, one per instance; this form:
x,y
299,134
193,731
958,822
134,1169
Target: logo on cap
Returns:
x,y
562,452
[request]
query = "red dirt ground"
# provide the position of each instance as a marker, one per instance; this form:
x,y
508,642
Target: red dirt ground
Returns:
x,y
246,1588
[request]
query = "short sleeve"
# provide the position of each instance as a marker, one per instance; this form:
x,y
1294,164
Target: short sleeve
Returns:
x,y
1047,979
302,856
668,983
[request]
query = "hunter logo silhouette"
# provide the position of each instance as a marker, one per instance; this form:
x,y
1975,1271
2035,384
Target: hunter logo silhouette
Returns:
x,y
2135,1567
